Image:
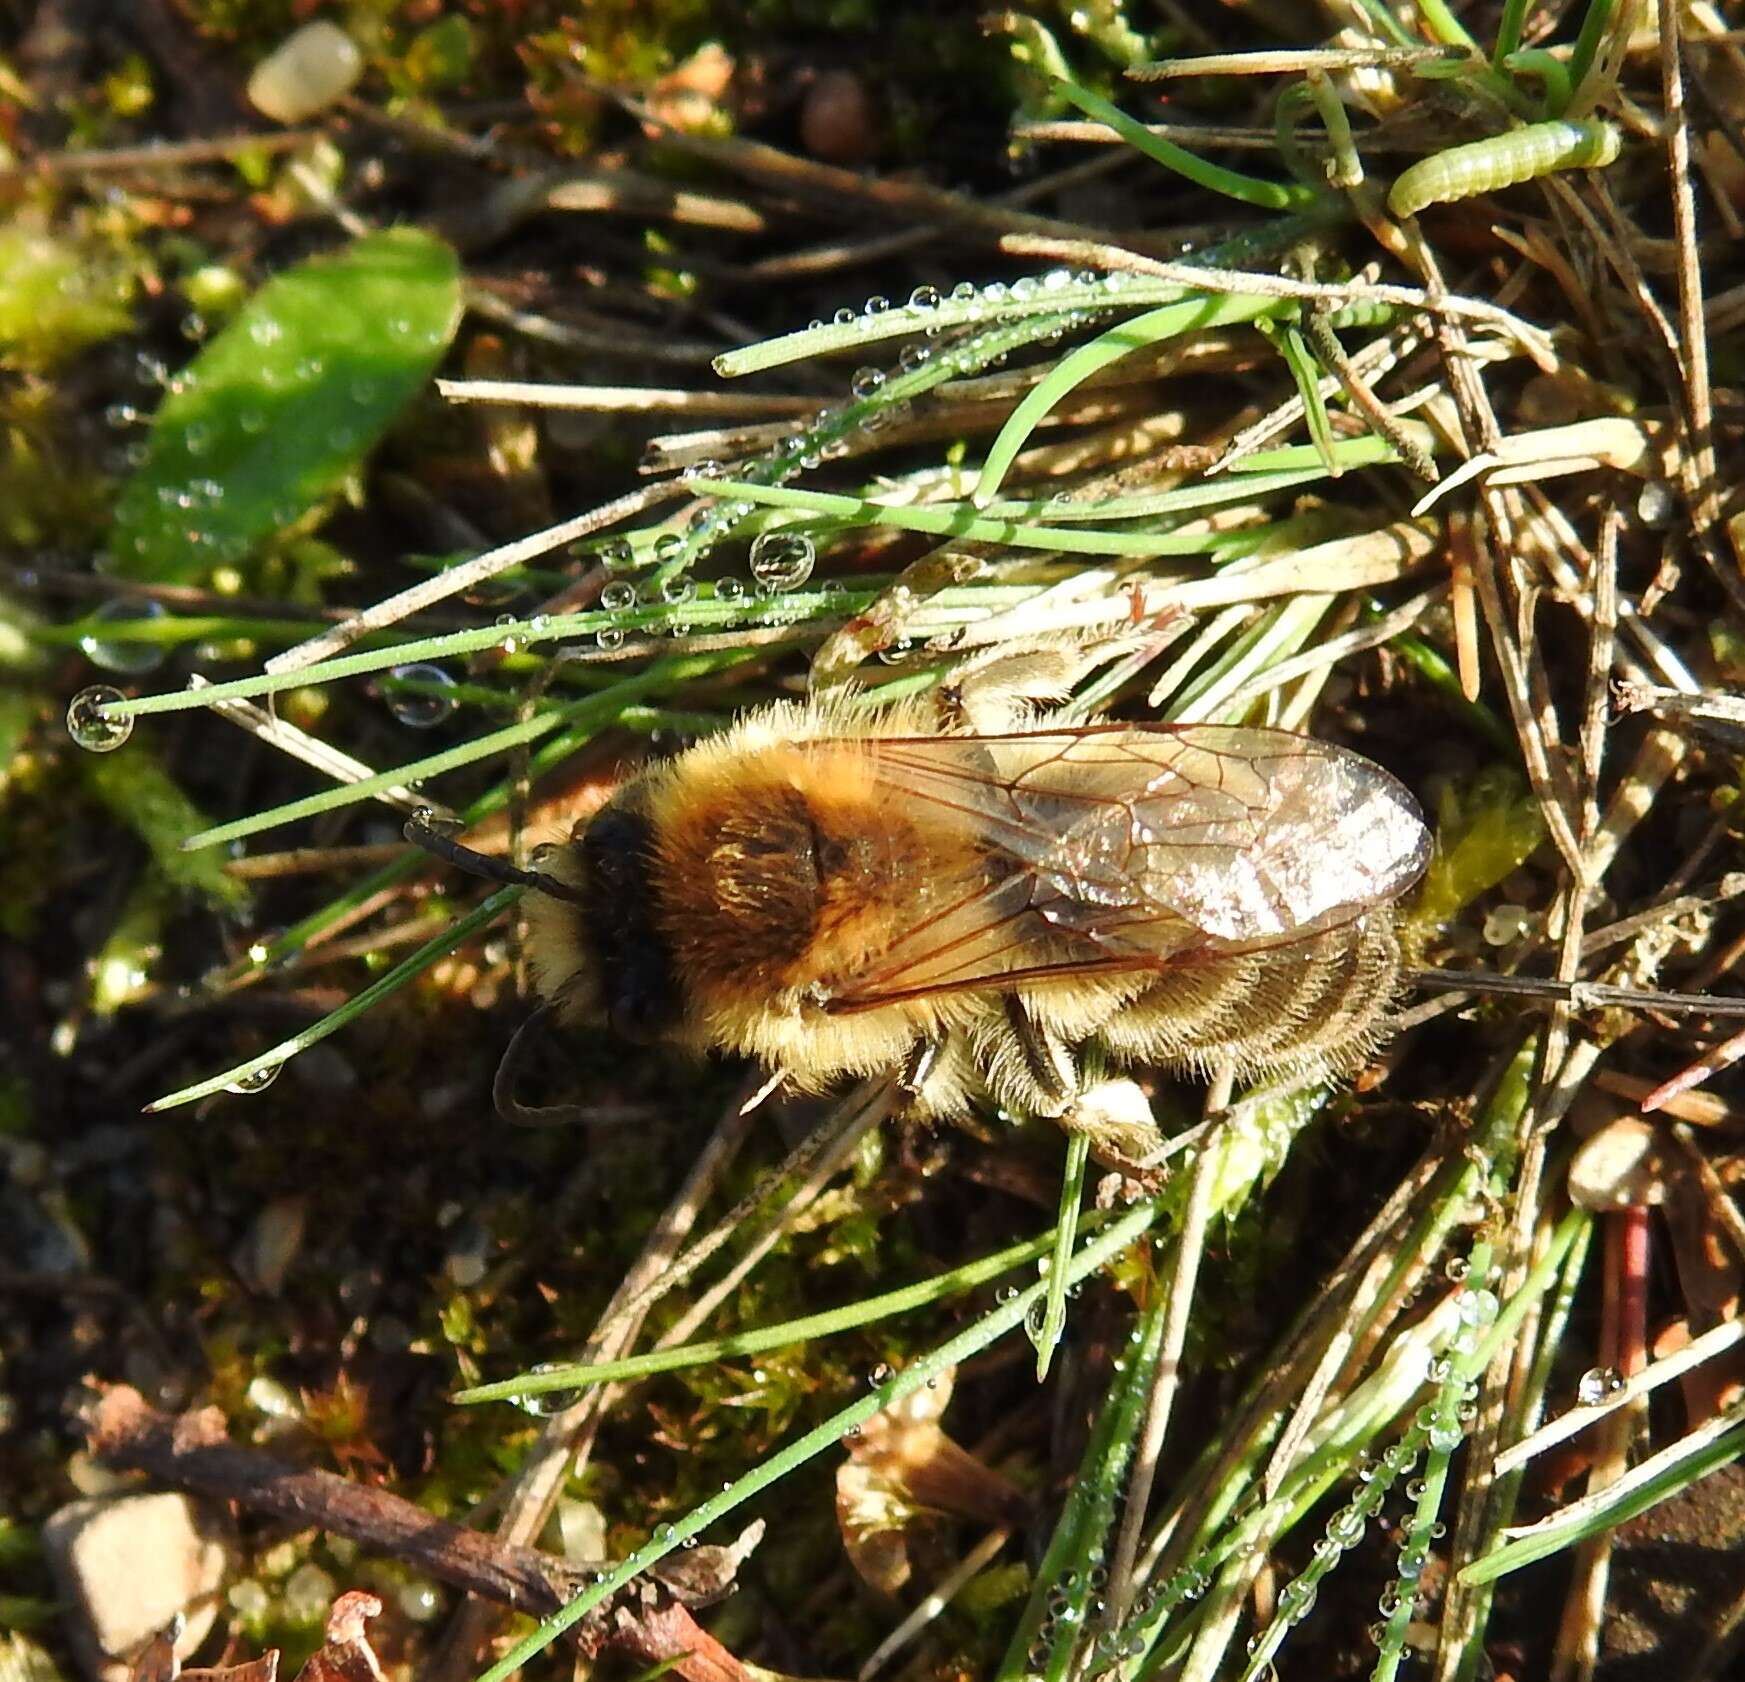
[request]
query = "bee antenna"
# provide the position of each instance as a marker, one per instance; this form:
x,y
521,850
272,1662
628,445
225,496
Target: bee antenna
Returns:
x,y
421,833
1582,995
509,1066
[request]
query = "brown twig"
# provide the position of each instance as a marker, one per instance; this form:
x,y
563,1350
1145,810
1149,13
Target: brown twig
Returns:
x,y
651,1622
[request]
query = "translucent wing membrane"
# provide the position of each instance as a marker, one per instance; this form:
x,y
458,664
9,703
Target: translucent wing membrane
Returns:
x,y
1124,847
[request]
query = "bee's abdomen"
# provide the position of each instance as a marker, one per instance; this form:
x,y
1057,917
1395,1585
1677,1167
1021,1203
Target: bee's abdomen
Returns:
x,y
1319,1004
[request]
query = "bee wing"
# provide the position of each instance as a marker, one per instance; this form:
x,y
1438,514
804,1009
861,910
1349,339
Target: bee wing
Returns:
x,y
1136,847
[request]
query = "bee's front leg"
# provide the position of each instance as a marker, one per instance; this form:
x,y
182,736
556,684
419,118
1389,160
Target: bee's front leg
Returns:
x,y
1038,1073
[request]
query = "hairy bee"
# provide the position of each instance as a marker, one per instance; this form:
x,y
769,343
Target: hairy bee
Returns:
x,y
829,891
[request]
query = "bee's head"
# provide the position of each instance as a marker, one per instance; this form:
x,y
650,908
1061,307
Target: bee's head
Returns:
x,y
594,946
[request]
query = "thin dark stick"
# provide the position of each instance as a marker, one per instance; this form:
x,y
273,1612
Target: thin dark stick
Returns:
x,y
1582,995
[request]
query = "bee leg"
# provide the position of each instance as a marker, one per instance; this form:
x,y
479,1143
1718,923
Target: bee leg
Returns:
x,y
1047,1060
1010,686
509,1068
1123,1132
919,1064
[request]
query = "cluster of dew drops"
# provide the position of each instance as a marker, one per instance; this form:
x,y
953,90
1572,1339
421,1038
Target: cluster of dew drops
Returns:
x,y
780,561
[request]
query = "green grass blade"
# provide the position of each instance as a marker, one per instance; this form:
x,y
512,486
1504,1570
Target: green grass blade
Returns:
x,y
1072,1190
764,1338
258,1072
1077,366
1249,189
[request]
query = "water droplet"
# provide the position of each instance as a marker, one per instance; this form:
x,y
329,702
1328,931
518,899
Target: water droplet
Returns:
x,y
1506,923
418,1601
877,305
421,710
617,555
844,317
544,1403
88,726
729,589
115,654
121,414
679,588
610,636
618,596
668,546
1598,1384
781,560
865,383
259,1081
263,330
924,298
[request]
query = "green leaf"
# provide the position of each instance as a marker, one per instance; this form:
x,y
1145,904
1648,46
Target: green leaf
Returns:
x,y
286,401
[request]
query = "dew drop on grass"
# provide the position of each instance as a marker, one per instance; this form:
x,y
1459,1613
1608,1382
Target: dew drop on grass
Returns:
x,y
259,1081
421,710
88,726
1596,1385
544,1403
618,596
781,560
114,654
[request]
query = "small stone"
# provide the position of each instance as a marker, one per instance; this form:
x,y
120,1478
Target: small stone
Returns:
x,y
127,1565
306,73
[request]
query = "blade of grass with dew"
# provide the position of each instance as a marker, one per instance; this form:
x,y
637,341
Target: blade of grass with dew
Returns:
x,y
1072,1190
1221,309
1248,189
1660,1477
389,876
1002,1320
593,711
248,1076
1080,1533
811,443
961,521
1371,1408
764,1338
1055,295
524,633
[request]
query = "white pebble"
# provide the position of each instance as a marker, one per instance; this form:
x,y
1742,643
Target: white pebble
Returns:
x,y
306,73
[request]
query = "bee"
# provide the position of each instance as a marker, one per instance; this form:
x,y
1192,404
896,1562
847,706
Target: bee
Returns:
x,y
981,891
